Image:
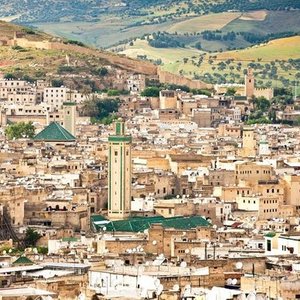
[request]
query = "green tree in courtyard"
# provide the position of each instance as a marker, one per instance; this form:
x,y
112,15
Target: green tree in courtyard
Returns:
x,y
20,130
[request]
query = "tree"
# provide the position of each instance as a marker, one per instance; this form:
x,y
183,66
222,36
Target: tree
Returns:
x,y
101,110
9,76
57,82
262,104
198,46
297,122
31,237
103,71
113,93
230,91
20,130
151,91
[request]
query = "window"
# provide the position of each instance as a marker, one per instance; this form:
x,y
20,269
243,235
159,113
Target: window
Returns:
x,y
269,245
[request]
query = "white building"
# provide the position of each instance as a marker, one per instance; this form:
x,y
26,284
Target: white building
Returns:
x,y
56,96
276,244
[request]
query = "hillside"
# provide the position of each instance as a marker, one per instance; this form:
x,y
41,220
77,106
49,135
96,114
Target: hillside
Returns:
x,y
275,63
32,55
103,23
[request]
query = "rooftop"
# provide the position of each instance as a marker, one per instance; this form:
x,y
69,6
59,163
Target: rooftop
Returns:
x,y
54,132
139,224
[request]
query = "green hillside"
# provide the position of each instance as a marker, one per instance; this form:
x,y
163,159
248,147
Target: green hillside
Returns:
x,y
276,63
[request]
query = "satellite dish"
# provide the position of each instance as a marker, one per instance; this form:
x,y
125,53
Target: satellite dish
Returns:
x,y
154,242
183,264
229,281
239,265
187,251
176,287
234,281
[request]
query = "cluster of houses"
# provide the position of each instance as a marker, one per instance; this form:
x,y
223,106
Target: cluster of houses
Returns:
x,y
178,199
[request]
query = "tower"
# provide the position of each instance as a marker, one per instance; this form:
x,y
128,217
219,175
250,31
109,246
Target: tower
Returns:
x,y
69,117
264,146
249,83
249,142
119,173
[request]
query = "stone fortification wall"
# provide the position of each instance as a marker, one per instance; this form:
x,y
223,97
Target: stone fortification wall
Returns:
x,y
167,77
126,63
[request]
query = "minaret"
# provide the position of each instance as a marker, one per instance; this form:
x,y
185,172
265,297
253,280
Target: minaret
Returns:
x,y
249,142
119,173
69,117
249,83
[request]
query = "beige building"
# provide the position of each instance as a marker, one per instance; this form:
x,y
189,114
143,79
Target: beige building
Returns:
x,y
55,96
292,189
248,143
202,116
252,172
168,99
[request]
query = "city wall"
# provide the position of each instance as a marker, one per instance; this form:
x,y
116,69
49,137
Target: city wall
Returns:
x,y
126,63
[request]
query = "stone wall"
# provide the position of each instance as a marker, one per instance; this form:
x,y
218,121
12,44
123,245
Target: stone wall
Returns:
x,y
123,62
167,77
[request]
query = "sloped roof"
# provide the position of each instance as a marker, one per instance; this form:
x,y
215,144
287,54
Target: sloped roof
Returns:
x,y
23,260
139,224
270,234
54,132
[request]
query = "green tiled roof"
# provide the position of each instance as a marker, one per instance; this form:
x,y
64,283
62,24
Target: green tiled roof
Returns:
x,y
139,224
270,234
54,132
23,260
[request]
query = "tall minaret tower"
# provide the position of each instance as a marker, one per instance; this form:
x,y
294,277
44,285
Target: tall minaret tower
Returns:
x,y
249,83
69,117
119,173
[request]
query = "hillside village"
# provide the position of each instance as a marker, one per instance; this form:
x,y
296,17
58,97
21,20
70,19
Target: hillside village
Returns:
x,y
184,191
